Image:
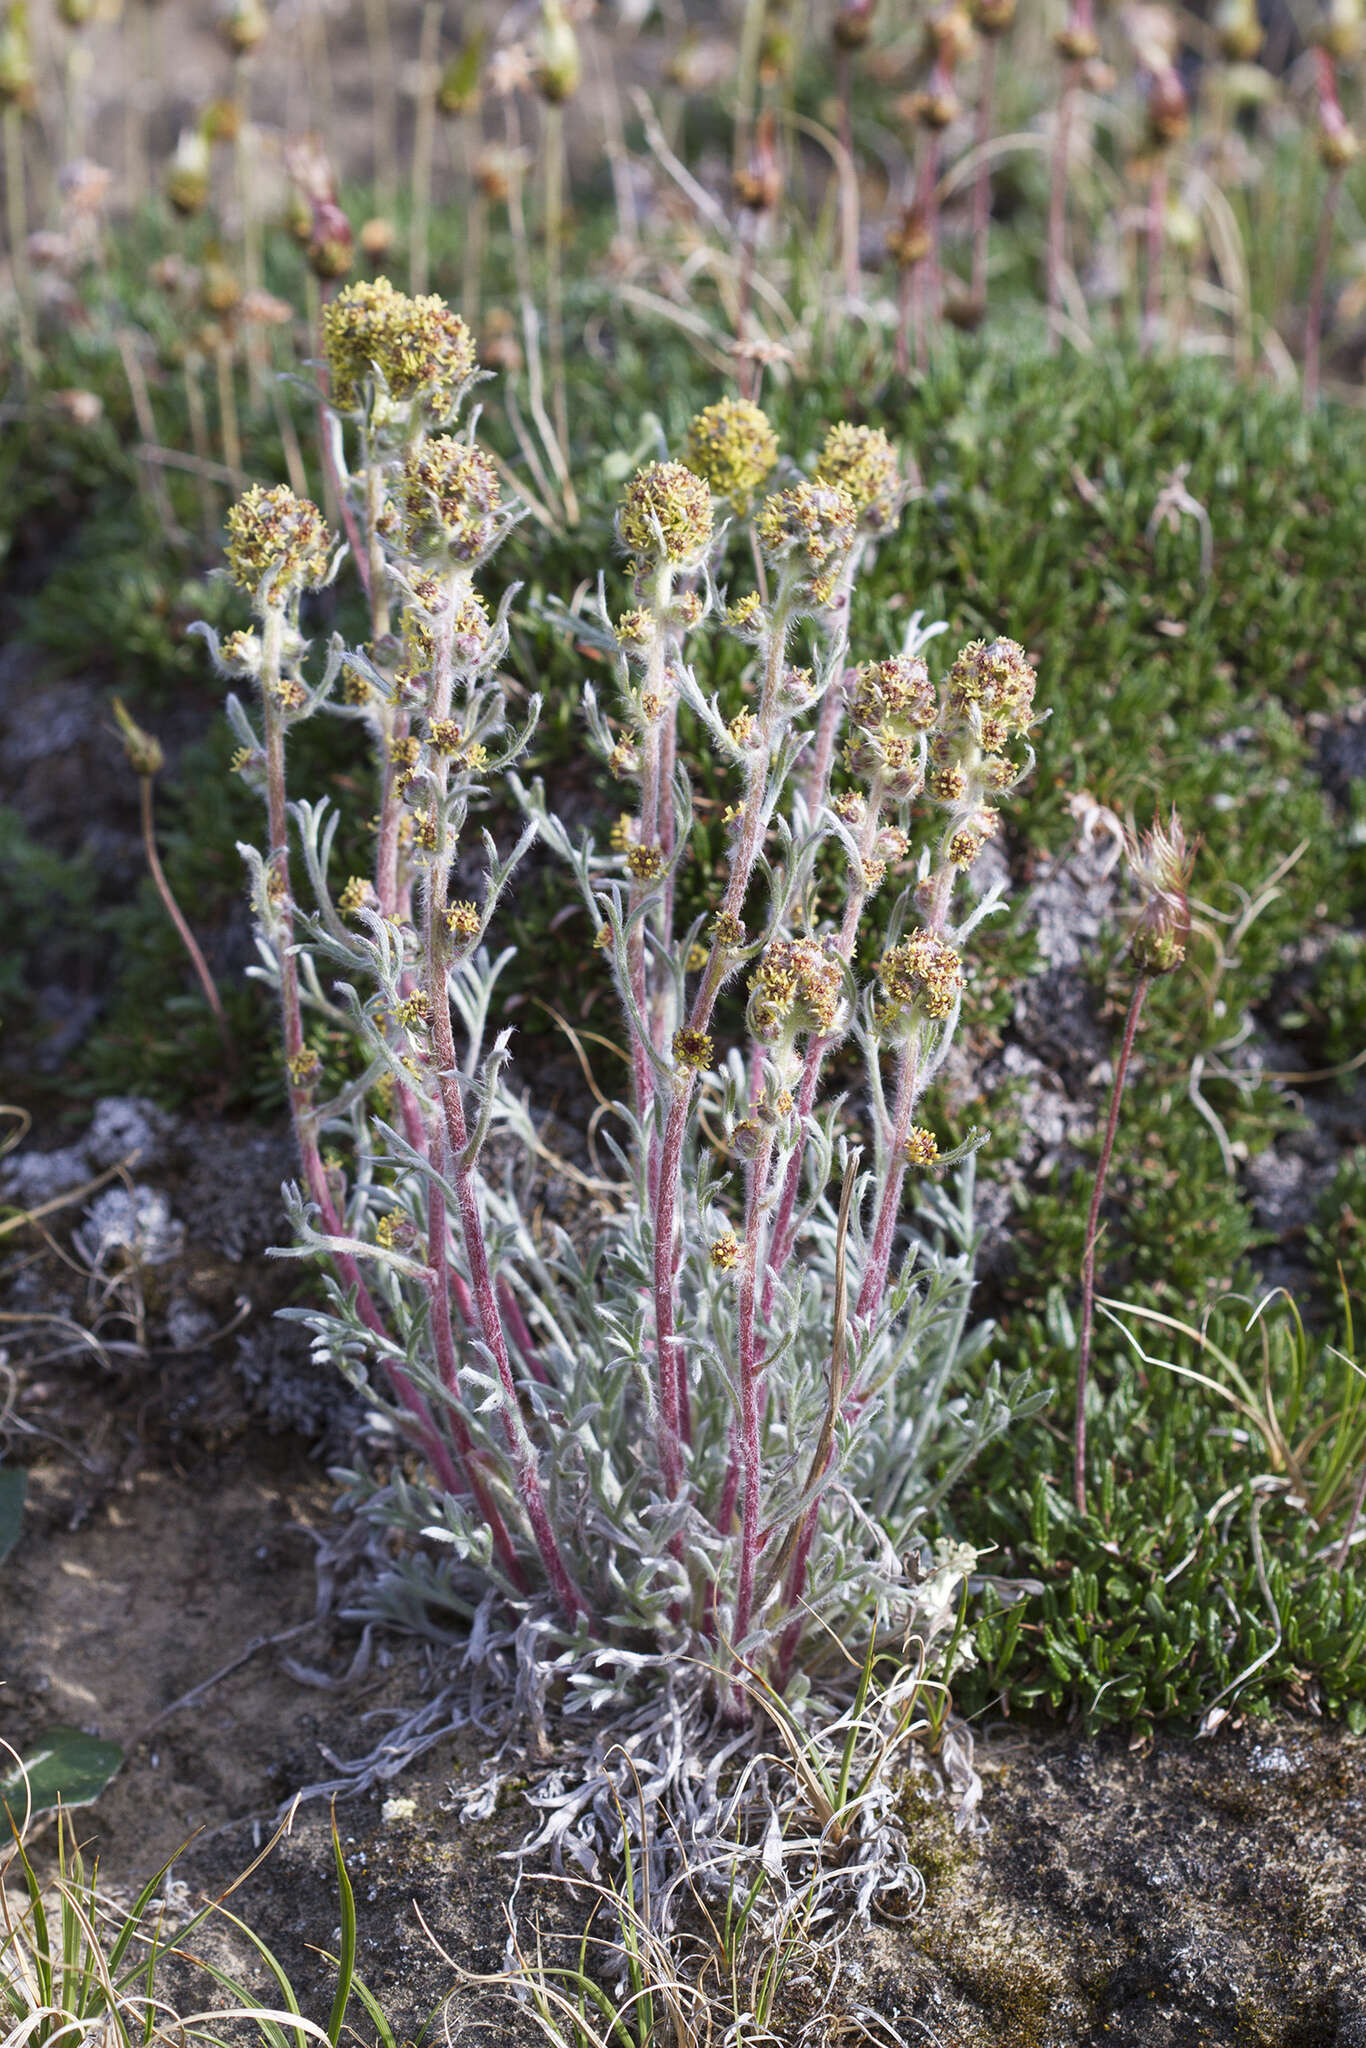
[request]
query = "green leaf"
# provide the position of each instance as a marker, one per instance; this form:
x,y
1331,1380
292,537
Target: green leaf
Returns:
x,y
13,1487
62,1765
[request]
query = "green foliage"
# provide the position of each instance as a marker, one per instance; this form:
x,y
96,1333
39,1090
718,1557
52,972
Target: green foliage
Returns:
x,y
1199,1572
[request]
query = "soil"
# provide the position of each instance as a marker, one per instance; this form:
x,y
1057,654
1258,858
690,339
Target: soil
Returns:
x,y
165,1593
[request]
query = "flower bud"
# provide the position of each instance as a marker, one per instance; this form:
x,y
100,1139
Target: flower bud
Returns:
x,y
460,90
187,174
243,25
330,242
1238,29
144,750
559,66
1340,33
1168,107
758,187
992,17
854,24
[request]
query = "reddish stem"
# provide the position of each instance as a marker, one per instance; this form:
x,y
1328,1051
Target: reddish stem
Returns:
x,y
1088,1264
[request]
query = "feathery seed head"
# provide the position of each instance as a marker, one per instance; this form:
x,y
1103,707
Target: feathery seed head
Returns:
x,y
1160,861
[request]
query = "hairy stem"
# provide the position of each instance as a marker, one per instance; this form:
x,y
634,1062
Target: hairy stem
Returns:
x,y
457,1163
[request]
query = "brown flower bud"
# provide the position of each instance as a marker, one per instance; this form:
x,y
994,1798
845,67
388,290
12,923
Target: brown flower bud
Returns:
x,y
1168,107
854,24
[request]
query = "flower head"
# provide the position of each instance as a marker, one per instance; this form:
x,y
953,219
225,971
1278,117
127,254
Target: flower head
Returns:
x,y
797,987
922,975
863,462
277,540
992,685
666,516
415,347
813,525
732,444
450,495
1160,861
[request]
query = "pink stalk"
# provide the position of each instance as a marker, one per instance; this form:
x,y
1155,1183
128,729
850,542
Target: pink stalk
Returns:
x,y
879,1258
780,1241
521,1335
1057,206
1156,229
444,1345
673,1393
458,1166
981,191
1088,1264
749,1449
300,1091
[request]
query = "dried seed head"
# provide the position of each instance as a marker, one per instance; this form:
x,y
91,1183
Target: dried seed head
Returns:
x,y
414,347
732,444
1160,861
666,516
277,538
450,495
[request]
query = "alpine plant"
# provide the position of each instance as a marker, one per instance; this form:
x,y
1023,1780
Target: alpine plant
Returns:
x,y
714,1420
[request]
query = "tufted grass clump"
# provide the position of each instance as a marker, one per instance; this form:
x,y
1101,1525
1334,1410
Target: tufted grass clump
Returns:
x,y
712,1422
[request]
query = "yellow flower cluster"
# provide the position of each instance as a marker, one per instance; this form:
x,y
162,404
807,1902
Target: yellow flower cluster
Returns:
x,y
862,461
450,495
732,444
922,975
666,516
413,347
797,988
272,534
